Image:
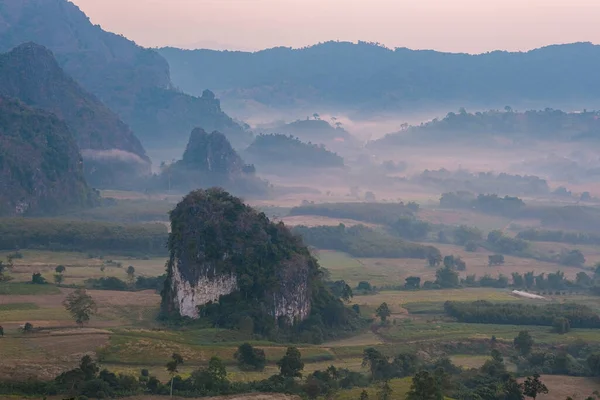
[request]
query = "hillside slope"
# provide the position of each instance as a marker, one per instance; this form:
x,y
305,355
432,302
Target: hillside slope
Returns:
x,y
132,81
30,73
41,169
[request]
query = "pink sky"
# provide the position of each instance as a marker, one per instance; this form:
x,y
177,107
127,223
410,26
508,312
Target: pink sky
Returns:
x,y
472,26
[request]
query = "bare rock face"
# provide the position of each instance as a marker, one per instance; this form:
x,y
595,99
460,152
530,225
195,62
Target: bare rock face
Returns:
x,y
223,251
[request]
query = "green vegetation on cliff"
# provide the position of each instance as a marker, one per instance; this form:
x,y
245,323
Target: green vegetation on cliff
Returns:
x,y
279,290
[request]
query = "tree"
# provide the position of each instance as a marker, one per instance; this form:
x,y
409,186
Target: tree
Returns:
x,y
131,275
364,395
58,278
534,386
529,279
593,363
28,327
60,269
447,277
88,367
511,389
412,282
383,312
81,306
172,367
291,364
347,293
434,259
38,279
385,392
495,259
249,358
316,116
1,331
523,342
518,280
217,371
561,325
425,386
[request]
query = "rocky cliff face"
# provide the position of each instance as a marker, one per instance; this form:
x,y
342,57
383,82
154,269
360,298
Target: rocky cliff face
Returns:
x,y
132,81
41,170
222,251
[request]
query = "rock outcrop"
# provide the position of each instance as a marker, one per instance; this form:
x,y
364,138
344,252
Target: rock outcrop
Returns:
x,y
223,251
41,169
210,160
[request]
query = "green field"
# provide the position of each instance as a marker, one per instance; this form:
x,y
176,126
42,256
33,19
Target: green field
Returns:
x,y
19,289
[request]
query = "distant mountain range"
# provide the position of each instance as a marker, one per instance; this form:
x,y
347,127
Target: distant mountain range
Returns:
x,y
371,78
132,81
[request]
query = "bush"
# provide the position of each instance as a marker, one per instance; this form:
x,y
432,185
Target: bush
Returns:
x,y
249,358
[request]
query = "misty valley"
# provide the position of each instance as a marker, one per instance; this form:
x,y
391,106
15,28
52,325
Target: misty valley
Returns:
x,y
340,221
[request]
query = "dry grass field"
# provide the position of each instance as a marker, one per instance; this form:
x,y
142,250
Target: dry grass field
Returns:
x,y
80,266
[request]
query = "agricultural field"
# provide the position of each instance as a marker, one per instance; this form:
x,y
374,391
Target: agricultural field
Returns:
x,y
126,337
393,271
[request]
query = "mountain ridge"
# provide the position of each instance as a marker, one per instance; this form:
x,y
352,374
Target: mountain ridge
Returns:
x,y
370,77
132,81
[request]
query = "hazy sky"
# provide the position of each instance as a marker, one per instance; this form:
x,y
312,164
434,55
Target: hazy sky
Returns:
x,y
451,25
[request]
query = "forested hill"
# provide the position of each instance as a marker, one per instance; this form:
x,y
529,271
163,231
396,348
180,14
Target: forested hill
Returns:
x,y
134,82
368,76
41,170
548,124
30,73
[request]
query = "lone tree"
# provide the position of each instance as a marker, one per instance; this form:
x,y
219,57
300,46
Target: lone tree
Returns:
x,y
534,386
523,343
383,312
60,269
291,364
172,367
81,306
131,274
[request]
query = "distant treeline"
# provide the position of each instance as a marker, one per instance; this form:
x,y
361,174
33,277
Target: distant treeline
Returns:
x,y
377,213
542,235
483,182
85,236
361,241
485,312
485,203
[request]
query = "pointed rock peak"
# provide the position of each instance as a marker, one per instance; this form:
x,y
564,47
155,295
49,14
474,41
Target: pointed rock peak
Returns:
x,y
209,95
